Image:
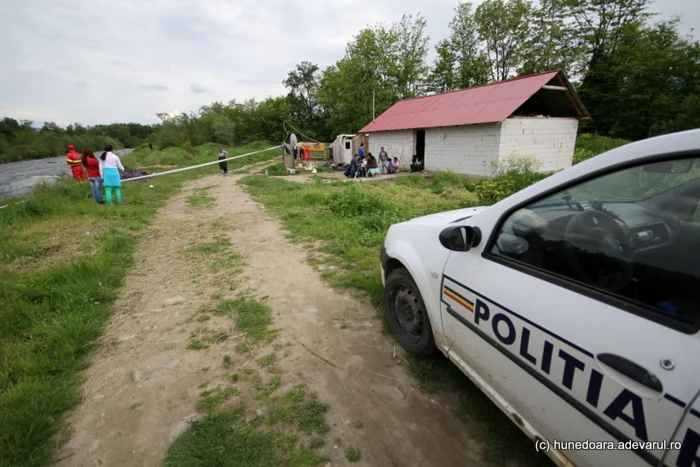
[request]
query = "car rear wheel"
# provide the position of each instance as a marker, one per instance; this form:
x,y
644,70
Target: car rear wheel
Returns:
x,y
407,315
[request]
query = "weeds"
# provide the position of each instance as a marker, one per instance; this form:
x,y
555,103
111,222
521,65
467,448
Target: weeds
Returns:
x,y
316,443
216,256
267,360
223,438
214,397
275,170
294,407
55,298
200,198
198,155
590,145
196,345
353,454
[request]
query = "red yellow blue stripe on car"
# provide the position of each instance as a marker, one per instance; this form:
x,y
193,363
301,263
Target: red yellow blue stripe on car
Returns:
x,y
571,372
457,298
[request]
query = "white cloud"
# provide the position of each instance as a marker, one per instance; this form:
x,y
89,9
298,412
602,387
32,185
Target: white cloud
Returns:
x,y
102,61
199,89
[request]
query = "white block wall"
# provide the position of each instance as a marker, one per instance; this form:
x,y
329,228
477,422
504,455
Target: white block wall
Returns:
x,y
463,150
395,143
550,140
473,149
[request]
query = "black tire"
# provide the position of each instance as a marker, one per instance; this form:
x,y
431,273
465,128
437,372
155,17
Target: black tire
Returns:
x,y
407,315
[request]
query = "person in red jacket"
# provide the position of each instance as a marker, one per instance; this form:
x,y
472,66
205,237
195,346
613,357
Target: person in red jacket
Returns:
x,y
75,160
92,165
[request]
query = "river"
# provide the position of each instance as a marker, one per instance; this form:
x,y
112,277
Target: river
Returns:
x,y
20,178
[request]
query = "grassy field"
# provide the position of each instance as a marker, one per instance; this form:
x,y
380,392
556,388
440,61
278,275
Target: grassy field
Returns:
x,y
63,257
62,260
144,157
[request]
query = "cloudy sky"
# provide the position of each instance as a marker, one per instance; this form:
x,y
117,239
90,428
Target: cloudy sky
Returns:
x,y
98,61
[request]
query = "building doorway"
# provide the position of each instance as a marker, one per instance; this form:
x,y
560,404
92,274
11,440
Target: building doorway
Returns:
x,y
420,146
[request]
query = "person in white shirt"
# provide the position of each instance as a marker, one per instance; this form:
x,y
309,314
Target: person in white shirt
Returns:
x,y
110,166
221,155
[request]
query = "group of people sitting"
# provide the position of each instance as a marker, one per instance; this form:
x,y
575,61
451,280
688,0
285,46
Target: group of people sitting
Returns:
x,y
367,165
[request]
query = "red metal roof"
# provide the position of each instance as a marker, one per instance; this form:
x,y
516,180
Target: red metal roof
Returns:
x,y
480,104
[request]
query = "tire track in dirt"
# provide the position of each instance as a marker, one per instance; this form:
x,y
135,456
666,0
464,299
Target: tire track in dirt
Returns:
x,y
143,383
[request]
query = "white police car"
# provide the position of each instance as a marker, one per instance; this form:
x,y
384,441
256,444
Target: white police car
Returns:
x,y
574,304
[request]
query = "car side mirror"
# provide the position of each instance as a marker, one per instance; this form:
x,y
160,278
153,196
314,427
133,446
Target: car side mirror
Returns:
x,y
460,237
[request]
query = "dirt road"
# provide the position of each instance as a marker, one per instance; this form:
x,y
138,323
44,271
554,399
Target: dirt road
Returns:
x,y
143,385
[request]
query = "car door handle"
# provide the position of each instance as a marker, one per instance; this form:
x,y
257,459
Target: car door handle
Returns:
x,y
631,370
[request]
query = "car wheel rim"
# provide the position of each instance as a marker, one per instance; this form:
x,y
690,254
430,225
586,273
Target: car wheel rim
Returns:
x,y
409,313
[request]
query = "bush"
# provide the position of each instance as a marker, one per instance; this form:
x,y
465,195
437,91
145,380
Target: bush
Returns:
x,y
416,180
187,146
492,191
373,213
597,144
444,180
511,175
581,154
275,170
522,171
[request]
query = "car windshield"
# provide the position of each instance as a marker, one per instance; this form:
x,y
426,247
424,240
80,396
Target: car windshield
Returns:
x,y
631,185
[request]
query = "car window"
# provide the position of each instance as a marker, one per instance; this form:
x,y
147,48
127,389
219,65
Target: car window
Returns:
x,y
633,234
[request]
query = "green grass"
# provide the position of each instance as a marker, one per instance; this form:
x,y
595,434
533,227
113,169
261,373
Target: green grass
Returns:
x,y
217,255
224,439
62,261
353,454
264,390
295,407
200,198
591,145
196,345
351,222
275,170
200,155
317,443
226,435
252,318
267,360
212,398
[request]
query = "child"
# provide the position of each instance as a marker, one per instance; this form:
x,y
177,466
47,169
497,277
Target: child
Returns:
x,y
110,165
363,167
92,165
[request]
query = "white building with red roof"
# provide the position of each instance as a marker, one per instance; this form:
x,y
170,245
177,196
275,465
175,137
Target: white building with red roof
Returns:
x,y
468,130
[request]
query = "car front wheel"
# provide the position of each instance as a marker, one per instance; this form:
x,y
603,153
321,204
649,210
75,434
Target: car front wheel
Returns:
x,y
407,315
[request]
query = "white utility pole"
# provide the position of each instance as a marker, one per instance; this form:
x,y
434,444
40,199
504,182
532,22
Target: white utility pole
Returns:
x,y
372,104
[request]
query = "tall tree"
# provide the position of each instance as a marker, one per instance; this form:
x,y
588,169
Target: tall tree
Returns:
x,y
410,49
382,64
599,27
601,23
443,77
303,83
659,79
552,43
504,28
472,64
